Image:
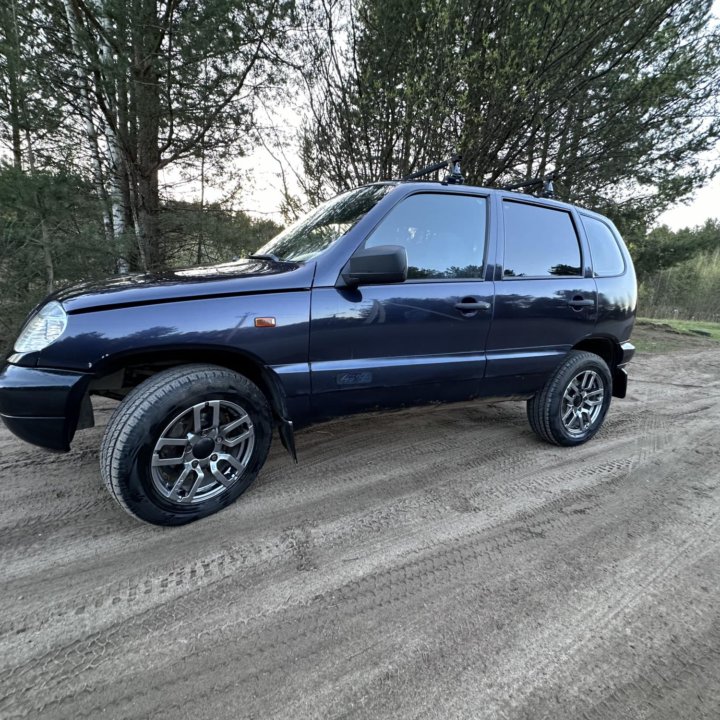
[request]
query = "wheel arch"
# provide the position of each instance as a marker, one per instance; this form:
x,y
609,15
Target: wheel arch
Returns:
x,y
123,372
605,347
610,351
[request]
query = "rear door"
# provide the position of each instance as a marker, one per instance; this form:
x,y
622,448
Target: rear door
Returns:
x,y
545,295
424,339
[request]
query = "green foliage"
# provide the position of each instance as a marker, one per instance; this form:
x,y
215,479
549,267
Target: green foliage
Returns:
x,y
31,109
49,225
381,78
169,83
679,272
618,97
96,98
663,248
213,234
689,290
209,61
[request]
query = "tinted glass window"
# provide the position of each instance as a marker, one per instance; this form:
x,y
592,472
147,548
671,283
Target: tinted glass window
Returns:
x,y
444,235
606,256
539,242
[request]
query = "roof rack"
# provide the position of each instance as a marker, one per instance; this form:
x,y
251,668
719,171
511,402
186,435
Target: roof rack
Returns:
x,y
454,177
547,181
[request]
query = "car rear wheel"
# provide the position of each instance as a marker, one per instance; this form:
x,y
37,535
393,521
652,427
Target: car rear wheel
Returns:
x,y
572,405
185,443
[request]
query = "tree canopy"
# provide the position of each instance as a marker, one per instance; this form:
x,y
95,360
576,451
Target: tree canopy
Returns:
x,y
620,98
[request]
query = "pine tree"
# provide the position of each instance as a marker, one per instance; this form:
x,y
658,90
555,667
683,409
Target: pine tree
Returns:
x,y
620,98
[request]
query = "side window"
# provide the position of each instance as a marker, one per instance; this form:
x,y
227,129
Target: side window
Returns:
x,y
539,242
606,256
444,235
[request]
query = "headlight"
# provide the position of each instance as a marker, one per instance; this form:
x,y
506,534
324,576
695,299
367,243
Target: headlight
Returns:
x,y
46,327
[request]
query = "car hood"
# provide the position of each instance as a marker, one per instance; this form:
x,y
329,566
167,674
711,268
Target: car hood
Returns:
x,y
236,278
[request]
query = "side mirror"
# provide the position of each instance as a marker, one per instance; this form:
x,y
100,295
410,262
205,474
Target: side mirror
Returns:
x,y
381,264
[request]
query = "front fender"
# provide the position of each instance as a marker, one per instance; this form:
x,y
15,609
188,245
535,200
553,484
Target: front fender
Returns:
x,y
219,330
102,341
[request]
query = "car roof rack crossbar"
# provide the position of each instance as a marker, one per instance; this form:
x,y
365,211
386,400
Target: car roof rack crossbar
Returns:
x,y
546,181
454,177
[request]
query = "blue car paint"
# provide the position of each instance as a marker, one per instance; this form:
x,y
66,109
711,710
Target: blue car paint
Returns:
x,y
334,350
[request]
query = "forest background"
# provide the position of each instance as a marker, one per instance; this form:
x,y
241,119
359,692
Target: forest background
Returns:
x,y
128,128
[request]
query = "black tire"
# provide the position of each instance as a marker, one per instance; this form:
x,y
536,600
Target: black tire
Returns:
x,y
545,409
144,415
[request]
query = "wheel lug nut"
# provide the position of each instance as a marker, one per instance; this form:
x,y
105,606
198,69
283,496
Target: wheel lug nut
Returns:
x,y
195,463
213,457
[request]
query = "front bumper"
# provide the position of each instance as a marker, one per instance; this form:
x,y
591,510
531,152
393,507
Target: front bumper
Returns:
x,y
41,405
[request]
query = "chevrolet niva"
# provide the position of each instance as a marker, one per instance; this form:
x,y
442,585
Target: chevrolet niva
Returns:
x,y
393,294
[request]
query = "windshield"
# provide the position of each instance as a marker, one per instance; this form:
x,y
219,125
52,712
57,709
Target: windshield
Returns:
x,y
321,227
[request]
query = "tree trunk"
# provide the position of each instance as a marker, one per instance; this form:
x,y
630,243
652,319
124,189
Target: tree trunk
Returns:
x,y
47,256
90,129
13,63
148,208
124,113
45,240
15,118
117,175
201,231
147,99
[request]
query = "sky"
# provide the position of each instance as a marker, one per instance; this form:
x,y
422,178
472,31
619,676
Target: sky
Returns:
x,y
702,205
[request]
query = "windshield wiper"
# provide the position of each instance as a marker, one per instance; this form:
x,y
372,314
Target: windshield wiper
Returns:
x,y
265,256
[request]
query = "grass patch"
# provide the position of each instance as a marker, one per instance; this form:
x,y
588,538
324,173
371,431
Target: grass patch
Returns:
x,y
698,328
658,336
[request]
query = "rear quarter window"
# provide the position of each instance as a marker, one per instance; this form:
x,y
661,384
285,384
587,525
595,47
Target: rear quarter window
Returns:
x,y
607,260
539,242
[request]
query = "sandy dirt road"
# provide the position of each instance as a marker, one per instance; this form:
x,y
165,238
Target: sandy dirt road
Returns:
x,y
434,563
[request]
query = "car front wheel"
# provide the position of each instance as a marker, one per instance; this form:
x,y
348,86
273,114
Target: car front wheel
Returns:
x,y
572,405
185,443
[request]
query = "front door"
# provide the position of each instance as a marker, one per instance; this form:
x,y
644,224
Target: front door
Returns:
x,y
421,340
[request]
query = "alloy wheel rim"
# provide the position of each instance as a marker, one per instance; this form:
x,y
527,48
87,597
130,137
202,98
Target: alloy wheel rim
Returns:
x,y
582,402
202,452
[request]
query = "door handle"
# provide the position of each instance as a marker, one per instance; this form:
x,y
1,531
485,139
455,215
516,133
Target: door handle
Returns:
x,y
472,306
580,302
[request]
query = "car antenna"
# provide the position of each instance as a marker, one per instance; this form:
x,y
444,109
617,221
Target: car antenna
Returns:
x,y
454,176
548,190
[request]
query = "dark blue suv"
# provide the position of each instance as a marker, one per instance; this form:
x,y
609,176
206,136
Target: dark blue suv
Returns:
x,y
393,294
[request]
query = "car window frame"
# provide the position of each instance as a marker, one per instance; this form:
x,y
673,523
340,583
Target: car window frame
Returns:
x,y
614,237
486,196
578,236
